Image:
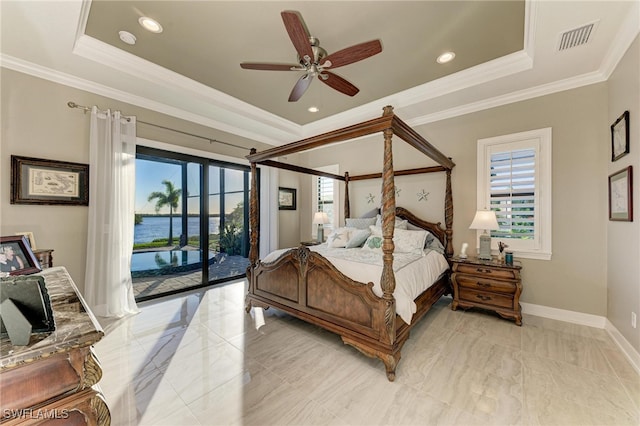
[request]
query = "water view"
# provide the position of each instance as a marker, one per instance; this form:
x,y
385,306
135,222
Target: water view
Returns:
x,y
154,227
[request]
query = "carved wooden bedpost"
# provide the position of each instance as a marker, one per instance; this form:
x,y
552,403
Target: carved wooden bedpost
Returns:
x,y
448,215
388,279
254,215
347,205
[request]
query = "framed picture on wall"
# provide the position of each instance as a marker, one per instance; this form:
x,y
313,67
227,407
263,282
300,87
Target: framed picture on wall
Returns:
x,y
620,195
286,198
620,137
39,181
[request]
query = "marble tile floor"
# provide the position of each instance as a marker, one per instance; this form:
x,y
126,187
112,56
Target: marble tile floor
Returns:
x,y
199,359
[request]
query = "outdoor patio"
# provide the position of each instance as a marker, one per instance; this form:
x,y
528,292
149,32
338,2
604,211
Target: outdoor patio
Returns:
x,y
224,267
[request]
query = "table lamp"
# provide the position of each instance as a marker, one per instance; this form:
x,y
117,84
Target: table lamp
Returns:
x,y
320,218
485,220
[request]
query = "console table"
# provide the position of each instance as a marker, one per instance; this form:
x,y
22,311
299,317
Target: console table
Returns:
x,y
54,378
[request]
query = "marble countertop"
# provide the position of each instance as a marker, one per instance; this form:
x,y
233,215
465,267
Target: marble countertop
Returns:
x,y
75,325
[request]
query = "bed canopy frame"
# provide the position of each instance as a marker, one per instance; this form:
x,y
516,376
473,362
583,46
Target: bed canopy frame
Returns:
x,y
389,124
388,336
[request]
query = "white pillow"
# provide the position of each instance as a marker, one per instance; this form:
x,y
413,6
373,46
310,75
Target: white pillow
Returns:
x,y
357,237
373,243
338,238
400,223
404,240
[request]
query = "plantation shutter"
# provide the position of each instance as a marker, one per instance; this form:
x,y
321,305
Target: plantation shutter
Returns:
x,y
325,200
513,193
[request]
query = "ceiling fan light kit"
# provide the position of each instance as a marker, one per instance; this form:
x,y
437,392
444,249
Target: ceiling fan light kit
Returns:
x,y
314,61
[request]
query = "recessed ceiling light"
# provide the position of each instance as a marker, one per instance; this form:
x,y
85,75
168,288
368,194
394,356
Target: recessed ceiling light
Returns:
x,y
150,24
127,37
313,109
445,57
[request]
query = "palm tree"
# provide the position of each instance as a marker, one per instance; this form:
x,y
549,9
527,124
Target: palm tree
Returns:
x,y
170,198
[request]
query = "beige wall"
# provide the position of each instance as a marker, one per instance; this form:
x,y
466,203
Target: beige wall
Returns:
x,y
36,122
575,278
623,238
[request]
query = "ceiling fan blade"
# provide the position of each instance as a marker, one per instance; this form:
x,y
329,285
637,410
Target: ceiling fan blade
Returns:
x,y
353,54
340,84
297,33
269,67
301,86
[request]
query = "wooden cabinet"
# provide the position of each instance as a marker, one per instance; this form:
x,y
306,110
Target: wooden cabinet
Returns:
x,y
54,379
45,257
487,284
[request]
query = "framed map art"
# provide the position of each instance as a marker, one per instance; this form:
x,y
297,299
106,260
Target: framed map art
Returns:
x,y
621,195
38,181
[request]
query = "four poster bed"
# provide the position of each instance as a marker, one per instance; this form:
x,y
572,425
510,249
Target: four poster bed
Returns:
x,y
305,284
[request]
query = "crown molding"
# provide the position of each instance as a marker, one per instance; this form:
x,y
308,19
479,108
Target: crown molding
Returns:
x,y
628,32
263,134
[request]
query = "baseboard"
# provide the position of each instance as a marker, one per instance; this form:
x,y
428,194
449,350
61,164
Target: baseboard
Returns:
x,y
564,315
589,320
630,352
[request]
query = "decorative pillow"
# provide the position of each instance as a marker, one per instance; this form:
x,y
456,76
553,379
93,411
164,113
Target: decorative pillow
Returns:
x,y
360,223
400,223
358,237
404,240
373,243
433,243
409,241
338,238
371,213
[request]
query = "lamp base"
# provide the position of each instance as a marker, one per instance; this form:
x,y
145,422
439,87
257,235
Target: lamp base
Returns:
x,y
485,247
320,238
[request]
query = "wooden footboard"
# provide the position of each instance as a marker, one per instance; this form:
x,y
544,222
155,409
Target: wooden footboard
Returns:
x,y
306,285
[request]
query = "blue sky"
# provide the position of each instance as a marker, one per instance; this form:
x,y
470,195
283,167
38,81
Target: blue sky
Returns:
x,y
150,174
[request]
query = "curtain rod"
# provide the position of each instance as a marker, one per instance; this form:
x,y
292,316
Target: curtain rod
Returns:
x,y
72,104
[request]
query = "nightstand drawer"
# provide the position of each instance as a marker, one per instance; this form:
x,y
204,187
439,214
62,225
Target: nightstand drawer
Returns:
x,y
479,297
486,271
477,283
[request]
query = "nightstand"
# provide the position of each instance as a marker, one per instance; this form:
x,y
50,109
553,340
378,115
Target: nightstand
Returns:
x,y
487,284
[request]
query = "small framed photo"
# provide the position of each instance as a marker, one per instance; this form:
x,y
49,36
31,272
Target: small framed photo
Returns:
x,y
286,198
620,195
16,256
30,238
38,181
620,137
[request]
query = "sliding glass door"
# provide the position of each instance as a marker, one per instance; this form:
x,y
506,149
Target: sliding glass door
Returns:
x,y
191,225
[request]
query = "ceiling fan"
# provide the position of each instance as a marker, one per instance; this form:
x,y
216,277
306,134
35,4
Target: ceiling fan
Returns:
x,y
313,59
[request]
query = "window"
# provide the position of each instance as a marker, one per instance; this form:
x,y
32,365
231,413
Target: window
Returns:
x,y
325,200
514,180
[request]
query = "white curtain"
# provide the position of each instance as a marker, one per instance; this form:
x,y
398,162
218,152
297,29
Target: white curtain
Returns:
x,y
108,286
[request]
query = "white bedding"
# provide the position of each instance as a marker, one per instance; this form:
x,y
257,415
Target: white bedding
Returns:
x,y
414,272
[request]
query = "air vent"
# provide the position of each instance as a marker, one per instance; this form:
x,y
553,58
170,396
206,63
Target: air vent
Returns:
x,y
577,36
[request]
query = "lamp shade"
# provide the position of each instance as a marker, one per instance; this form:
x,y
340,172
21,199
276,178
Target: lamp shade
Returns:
x,y
320,218
485,219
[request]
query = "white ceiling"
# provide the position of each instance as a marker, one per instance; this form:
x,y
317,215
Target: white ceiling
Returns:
x,y
506,51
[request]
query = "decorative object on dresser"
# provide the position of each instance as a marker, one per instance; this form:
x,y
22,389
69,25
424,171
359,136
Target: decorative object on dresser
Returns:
x,y
485,220
30,238
16,256
620,137
487,284
320,218
25,308
56,374
38,181
45,257
621,195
